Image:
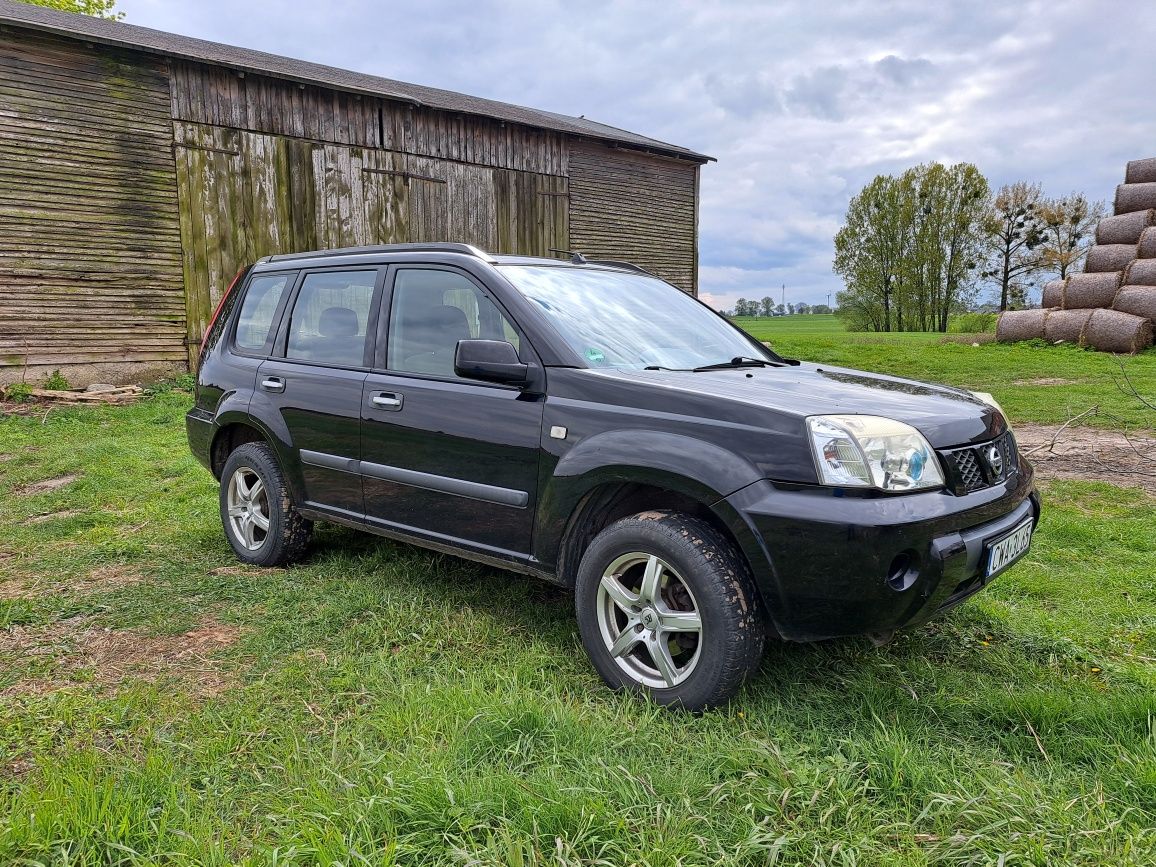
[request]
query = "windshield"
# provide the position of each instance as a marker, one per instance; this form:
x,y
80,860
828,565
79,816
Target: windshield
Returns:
x,y
614,319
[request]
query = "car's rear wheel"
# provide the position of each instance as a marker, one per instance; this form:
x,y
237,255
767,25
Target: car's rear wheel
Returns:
x,y
666,607
261,523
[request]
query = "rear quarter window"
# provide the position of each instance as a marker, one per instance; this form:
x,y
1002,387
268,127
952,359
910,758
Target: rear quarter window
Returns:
x,y
258,310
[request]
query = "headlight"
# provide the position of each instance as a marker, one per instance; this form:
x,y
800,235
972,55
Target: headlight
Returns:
x,y
866,451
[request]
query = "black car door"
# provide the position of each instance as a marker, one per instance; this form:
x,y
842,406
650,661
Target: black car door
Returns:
x,y
447,457
314,382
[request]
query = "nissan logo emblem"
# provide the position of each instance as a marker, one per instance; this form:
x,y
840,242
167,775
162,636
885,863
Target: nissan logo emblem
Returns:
x,y
994,460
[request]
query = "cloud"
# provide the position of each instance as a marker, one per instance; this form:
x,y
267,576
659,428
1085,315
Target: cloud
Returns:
x,y
802,103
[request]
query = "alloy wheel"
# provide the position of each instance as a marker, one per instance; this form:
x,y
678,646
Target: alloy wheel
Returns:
x,y
649,620
248,508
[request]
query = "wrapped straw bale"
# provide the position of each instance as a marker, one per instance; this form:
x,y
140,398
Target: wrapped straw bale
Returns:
x,y
1113,331
1141,171
1135,197
1124,229
1109,257
1146,249
1066,325
1137,300
1016,325
1142,272
1091,290
1053,293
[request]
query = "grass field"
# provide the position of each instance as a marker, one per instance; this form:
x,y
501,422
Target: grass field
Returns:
x,y
383,705
1021,376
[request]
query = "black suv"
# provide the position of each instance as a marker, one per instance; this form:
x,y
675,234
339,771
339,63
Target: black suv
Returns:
x,y
587,423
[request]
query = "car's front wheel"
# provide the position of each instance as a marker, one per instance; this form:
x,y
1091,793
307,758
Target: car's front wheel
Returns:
x,y
666,606
261,523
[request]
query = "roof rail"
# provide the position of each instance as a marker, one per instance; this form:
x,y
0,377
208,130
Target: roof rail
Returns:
x,y
577,258
624,266
433,247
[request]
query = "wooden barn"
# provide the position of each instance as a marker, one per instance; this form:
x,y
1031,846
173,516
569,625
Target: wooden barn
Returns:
x,y
140,169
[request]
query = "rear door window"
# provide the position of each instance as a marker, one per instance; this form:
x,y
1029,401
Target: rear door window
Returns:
x,y
259,311
330,318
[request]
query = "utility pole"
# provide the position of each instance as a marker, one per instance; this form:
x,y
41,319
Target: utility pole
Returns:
x,y
783,301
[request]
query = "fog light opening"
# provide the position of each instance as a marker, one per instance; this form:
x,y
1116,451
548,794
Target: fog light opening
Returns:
x,y
904,571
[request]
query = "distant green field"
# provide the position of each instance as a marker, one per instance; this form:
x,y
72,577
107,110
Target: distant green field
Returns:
x,y
1022,376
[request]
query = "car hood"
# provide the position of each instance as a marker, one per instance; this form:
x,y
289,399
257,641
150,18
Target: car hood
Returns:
x,y
946,416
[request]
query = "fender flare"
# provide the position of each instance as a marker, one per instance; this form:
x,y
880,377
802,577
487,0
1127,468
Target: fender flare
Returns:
x,y
275,432
697,469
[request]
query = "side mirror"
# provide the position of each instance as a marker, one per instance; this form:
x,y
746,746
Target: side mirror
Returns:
x,y
490,361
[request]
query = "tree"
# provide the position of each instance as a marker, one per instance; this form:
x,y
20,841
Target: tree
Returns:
x,y
870,248
95,8
1069,225
1015,237
910,247
780,310
766,306
821,308
802,308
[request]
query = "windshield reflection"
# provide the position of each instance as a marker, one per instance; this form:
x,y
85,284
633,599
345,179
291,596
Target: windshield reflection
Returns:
x,y
630,321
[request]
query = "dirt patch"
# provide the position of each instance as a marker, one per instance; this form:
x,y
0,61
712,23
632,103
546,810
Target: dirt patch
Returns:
x,y
46,485
969,339
100,580
17,769
1089,454
80,653
51,516
1046,380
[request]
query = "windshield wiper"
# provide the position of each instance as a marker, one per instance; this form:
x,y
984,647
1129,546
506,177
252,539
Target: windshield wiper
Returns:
x,y
737,361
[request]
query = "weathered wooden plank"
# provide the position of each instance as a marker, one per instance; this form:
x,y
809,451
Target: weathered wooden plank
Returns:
x,y
633,207
90,254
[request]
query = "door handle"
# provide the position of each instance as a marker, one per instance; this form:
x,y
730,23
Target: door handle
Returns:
x,y
273,383
386,400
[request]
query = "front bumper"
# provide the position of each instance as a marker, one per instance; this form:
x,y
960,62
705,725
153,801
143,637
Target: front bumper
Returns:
x,y
823,562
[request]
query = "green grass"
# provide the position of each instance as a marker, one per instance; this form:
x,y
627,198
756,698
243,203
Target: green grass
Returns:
x,y
1009,371
392,706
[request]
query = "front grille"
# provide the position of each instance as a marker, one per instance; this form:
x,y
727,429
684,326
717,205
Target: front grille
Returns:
x,y
974,468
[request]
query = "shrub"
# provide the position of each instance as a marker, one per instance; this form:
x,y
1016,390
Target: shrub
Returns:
x,y
57,382
18,392
973,323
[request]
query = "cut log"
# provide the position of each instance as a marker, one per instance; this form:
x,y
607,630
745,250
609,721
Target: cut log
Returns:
x,y
1016,325
1113,331
1054,293
1142,272
1109,257
1084,291
1066,325
1141,171
1146,249
1135,197
1137,300
1124,229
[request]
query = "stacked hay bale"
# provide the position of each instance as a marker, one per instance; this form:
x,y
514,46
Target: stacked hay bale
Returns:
x,y
1112,305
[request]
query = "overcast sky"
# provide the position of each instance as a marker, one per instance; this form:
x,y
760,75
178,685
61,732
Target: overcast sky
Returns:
x,y
801,102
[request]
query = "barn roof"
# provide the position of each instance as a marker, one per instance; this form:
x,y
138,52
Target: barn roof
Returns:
x,y
130,36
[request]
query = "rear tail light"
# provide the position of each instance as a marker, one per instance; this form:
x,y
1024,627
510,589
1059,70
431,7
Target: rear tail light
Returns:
x,y
217,311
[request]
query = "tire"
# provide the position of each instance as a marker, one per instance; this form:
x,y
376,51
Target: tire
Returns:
x,y
623,622
254,488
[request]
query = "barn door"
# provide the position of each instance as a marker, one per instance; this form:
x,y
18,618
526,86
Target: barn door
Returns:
x,y
532,213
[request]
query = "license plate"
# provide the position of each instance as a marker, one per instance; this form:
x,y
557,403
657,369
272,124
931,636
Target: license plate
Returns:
x,y
1005,551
